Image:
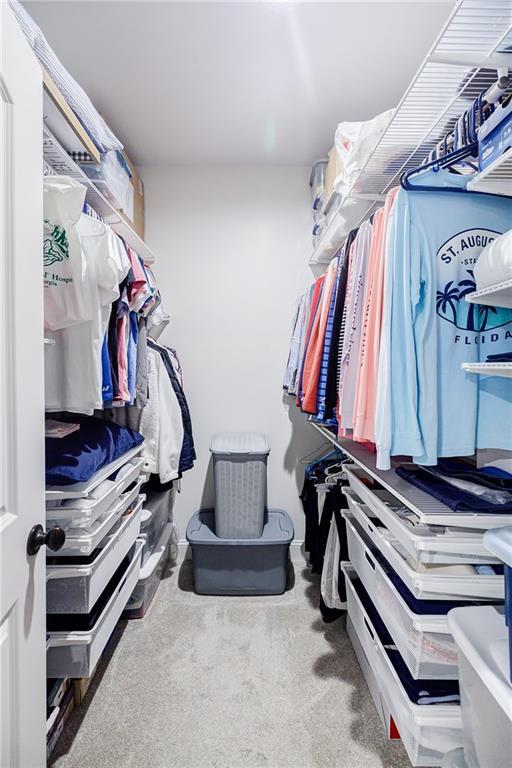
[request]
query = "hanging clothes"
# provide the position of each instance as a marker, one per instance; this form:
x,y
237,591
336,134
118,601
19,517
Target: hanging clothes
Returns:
x,y
73,365
187,453
368,363
161,422
434,408
360,258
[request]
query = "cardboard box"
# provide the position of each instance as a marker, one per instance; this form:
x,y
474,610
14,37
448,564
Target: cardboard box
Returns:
x,y
66,708
135,218
330,174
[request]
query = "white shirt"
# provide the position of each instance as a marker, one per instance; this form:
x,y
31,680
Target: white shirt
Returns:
x,y
66,288
73,370
161,423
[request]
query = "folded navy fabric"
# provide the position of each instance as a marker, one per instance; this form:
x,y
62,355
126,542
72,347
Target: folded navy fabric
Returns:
x,y
76,457
491,477
455,498
426,692
422,607
419,691
504,357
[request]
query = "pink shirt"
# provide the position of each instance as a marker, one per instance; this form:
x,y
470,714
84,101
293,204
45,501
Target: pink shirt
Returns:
x,y
366,387
316,346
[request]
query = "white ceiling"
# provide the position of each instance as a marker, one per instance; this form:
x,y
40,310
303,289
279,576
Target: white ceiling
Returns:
x,y
238,82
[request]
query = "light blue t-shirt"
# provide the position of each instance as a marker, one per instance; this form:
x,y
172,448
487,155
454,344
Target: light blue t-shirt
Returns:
x,y
434,408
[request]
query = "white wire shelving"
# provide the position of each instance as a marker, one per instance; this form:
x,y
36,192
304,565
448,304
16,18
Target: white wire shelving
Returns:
x,y
475,41
498,295
496,179
489,369
58,160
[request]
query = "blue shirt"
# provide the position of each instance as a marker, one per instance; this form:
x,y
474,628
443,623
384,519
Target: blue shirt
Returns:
x,y
436,408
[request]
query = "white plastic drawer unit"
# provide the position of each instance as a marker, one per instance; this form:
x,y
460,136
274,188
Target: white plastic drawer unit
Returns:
x,y
422,636
426,543
371,483
432,583
81,511
75,653
83,541
74,587
427,731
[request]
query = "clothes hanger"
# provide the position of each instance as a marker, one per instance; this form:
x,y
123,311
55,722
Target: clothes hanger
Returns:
x,y
443,162
305,459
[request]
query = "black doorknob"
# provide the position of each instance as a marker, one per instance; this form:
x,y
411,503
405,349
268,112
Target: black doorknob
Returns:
x,y
53,539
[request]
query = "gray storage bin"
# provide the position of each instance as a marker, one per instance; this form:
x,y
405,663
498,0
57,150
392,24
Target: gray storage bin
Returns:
x,y
240,473
240,566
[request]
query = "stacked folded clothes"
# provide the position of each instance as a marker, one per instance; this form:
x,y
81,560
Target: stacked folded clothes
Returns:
x,y
53,428
505,357
464,490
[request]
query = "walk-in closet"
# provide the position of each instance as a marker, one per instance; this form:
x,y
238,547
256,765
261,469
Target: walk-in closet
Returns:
x,y
256,384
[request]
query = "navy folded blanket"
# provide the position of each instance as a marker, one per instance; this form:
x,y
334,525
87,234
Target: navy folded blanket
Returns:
x,y
76,457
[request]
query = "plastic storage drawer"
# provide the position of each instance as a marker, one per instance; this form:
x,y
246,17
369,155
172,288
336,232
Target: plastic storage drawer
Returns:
x,y
430,584
150,577
83,511
317,183
75,587
428,510
85,489
427,732
112,179
371,681
240,473
76,653
83,541
499,542
423,638
240,566
425,543
486,691
155,516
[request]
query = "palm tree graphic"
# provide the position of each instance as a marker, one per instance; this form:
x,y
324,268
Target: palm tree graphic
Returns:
x,y
483,314
468,286
448,298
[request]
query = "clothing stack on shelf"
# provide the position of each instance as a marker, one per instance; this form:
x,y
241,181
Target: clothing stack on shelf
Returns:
x,y
93,483
95,126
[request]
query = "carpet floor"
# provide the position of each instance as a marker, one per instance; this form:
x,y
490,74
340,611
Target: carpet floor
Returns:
x,y
229,682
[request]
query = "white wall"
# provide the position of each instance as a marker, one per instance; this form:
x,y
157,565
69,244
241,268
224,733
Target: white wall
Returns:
x,y
232,246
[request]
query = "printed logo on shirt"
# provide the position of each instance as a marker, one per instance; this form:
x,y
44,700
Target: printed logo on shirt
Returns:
x,y
55,245
456,259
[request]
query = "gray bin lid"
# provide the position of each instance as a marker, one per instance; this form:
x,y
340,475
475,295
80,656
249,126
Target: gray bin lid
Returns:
x,y
278,529
244,443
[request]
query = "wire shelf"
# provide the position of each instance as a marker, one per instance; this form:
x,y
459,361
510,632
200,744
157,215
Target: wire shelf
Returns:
x,y
489,369
499,295
462,63
58,160
496,178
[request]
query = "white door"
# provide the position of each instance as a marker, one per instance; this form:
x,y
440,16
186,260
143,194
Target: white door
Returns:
x,y
22,578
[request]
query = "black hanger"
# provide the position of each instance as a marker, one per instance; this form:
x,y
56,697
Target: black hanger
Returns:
x,y
443,162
